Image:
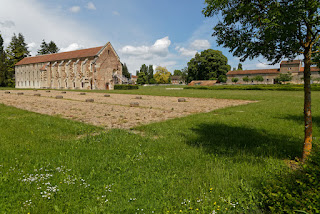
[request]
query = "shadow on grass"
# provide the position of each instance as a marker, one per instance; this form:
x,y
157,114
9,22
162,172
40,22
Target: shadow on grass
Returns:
x,y
300,119
234,141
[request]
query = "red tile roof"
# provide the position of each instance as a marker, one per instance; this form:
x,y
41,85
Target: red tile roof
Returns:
x,y
291,62
312,69
260,71
90,52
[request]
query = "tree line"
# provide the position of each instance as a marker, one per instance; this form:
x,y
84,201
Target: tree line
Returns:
x,y
16,51
207,65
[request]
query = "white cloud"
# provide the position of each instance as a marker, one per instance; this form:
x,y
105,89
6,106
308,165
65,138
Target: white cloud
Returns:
x,y
262,65
200,44
75,9
116,13
7,24
159,48
91,6
72,47
31,45
194,47
186,52
45,23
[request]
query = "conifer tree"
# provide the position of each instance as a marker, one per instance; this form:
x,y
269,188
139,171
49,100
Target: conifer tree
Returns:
x,y
16,51
125,71
3,66
48,48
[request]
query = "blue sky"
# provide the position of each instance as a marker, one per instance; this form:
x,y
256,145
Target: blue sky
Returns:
x,y
162,33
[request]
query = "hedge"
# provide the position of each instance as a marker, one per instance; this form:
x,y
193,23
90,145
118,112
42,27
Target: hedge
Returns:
x,y
314,87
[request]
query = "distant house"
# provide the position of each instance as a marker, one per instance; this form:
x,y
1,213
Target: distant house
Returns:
x,y
176,80
202,82
269,75
134,79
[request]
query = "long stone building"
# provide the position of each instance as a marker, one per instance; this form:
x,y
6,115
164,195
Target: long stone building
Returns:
x,y
269,75
93,68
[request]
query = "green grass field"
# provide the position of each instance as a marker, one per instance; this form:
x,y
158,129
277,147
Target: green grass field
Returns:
x,y
217,161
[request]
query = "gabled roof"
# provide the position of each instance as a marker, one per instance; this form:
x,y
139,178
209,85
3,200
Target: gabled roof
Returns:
x,y
290,62
259,71
90,52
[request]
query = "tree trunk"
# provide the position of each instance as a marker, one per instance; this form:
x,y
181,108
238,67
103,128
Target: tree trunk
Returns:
x,y
307,105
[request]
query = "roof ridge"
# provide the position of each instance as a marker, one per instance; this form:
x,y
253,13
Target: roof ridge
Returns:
x,y
64,52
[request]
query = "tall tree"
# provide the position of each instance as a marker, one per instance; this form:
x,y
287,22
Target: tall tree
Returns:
x,y
43,48
177,73
274,29
162,75
144,68
142,78
48,48
125,71
239,67
3,66
16,51
150,72
209,64
52,47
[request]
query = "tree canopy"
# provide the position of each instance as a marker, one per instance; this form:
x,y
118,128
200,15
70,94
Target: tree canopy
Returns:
x,y
48,48
3,65
272,29
177,73
16,51
162,75
125,71
284,77
209,64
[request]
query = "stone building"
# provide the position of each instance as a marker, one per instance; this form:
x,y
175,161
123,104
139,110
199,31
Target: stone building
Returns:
x,y
269,75
92,68
176,80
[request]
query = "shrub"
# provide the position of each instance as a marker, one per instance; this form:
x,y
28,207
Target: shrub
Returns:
x,y
235,80
287,87
298,191
126,87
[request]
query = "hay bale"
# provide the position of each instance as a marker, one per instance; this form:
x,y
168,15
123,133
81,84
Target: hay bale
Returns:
x,y
63,92
82,93
48,91
107,95
90,100
7,92
139,98
181,100
37,95
135,104
59,97
20,93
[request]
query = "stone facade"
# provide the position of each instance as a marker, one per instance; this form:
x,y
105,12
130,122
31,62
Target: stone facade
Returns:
x,y
94,68
269,75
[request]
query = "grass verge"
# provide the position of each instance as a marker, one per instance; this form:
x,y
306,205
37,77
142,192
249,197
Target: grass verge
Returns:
x,y
217,161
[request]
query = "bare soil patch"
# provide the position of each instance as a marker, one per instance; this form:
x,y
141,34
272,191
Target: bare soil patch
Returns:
x,y
113,111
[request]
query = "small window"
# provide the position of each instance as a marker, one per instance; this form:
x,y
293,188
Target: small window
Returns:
x,y
108,52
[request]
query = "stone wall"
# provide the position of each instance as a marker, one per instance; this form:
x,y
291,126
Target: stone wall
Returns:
x,y
84,73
